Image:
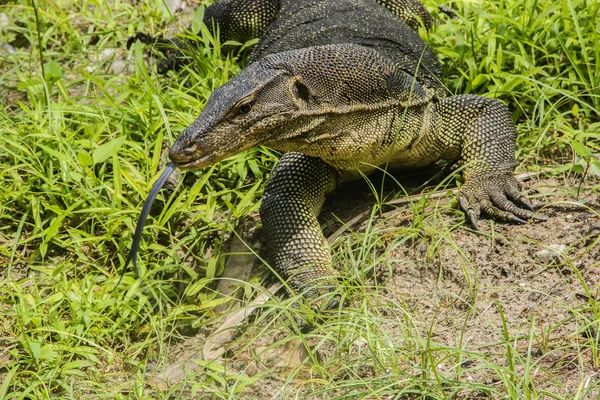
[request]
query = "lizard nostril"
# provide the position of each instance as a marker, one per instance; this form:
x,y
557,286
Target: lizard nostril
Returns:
x,y
183,153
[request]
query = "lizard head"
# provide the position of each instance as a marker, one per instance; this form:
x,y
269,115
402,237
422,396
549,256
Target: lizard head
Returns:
x,y
280,100
240,114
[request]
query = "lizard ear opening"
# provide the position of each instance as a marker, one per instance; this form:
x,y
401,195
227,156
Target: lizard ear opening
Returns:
x,y
300,91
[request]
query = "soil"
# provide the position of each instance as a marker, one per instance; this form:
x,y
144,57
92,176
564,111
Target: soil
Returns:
x,y
542,276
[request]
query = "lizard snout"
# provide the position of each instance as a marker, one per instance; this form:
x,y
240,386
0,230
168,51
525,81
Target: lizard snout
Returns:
x,y
182,152
197,148
191,156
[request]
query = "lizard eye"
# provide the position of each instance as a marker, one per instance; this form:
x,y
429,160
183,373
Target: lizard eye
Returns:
x,y
245,108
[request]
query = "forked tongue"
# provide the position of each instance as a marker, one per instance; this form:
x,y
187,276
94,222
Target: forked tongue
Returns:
x,y
137,237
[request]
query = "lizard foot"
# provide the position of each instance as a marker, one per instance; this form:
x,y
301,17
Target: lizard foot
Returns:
x,y
171,49
314,313
499,197
449,12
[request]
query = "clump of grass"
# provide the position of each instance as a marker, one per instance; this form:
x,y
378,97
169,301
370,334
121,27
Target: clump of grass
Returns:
x,y
83,126
541,58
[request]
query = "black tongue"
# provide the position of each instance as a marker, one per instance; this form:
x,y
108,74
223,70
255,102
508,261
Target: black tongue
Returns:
x,y
137,237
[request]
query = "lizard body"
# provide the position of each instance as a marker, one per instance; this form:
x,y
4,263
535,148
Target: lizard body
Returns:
x,y
343,87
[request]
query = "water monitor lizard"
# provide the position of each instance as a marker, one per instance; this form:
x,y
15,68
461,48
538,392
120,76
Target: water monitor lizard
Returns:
x,y
342,87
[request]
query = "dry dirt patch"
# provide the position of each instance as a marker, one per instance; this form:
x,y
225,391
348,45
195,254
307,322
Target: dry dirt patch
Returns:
x,y
463,292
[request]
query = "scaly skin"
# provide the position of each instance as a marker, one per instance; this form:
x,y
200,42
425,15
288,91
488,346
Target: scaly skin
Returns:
x,y
343,87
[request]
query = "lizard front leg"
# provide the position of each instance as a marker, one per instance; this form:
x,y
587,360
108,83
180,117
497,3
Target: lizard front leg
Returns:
x,y
297,249
480,132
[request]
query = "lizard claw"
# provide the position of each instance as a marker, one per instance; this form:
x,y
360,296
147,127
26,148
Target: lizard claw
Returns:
x,y
471,213
497,196
524,202
516,220
473,219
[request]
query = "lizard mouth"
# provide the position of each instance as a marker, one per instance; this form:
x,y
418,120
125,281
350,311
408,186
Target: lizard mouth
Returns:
x,y
197,163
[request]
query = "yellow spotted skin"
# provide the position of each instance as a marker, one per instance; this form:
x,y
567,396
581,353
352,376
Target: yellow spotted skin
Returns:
x,y
241,20
343,87
410,11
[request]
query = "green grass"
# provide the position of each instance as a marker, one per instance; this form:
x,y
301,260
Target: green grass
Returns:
x,y
80,145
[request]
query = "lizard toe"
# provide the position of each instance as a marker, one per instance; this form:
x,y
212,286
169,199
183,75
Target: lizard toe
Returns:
x,y
500,201
471,208
171,49
142,37
497,213
165,65
311,307
513,192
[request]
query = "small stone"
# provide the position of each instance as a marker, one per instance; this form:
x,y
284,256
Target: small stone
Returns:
x,y
551,254
175,6
117,67
4,21
7,48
